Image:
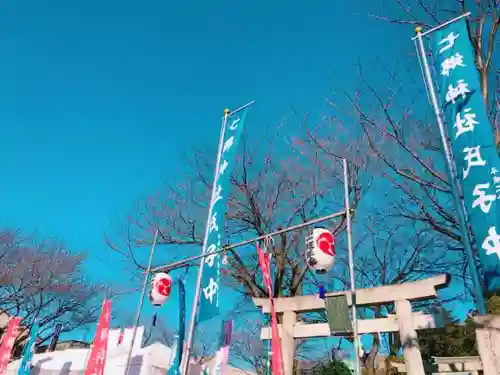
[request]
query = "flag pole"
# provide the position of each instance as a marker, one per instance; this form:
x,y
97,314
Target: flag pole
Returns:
x,y
351,268
478,291
141,301
443,25
194,311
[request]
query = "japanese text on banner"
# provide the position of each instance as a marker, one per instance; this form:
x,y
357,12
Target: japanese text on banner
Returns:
x,y
472,142
99,349
209,300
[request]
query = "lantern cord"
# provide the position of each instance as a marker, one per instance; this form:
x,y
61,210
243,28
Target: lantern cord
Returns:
x,y
186,271
268,242
154,320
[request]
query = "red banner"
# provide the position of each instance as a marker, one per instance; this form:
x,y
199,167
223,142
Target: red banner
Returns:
x,y
8,340
276,353
98,351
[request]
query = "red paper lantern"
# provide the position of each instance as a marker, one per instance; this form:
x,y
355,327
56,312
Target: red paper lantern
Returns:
x,y
160,288
320,250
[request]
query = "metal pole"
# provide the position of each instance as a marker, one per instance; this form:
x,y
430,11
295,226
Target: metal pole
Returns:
x,y
141,301
182,262
194,312
239,109
478,291
351,269
443,25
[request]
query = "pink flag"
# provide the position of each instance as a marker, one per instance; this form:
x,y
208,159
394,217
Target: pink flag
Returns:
x,y
276,352
8,340
223,353
98,351
265,268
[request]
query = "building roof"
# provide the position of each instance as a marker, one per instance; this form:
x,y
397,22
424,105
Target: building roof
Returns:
x,y
66,344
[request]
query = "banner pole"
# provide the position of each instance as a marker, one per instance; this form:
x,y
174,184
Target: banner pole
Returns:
x,y
194,312
351,269
478,290
443,25
141,301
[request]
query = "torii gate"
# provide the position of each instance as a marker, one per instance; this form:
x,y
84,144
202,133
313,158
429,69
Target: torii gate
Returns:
x,y
405,321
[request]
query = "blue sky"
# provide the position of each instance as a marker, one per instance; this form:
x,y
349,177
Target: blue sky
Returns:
x,y
99,99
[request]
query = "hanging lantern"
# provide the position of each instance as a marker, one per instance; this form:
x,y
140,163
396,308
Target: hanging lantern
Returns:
x,y
320,250
160,288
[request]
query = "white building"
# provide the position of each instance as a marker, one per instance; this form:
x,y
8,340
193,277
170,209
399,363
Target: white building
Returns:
x,y
154,359
151,360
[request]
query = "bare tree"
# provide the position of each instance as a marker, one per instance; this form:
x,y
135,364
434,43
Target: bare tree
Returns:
x,y
279,180
45,281
406,141
293,175
247,347
413,231
274,185
395,241
413,188
397,254
392,252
